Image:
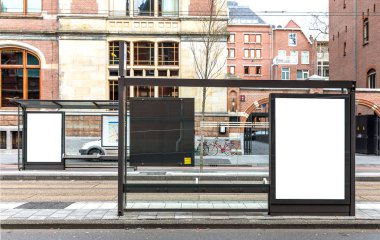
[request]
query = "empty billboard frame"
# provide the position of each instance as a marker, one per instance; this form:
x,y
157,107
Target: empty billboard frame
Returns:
x,y
311,155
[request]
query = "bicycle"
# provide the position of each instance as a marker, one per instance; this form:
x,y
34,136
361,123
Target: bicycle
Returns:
x,y
205,148
228,148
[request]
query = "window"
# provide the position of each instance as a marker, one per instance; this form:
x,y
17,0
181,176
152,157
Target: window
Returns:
x,y
168,92
246,70
231,53
167,8
281,53
113,53
119,7
305,57
3,140
16,139
21,6
258,38
258,53
144,53
168,54
344,48
20,76
258,70
292,39
232,70
302,74
144,8
285,74
294,54
113,90
246,53
232,38
371,78
365,31
246,38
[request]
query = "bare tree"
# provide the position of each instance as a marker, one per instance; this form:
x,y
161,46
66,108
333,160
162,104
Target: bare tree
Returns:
x,y
319,23
209,49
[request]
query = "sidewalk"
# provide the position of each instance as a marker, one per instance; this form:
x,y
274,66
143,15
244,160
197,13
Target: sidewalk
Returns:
x,y
104,215
147,175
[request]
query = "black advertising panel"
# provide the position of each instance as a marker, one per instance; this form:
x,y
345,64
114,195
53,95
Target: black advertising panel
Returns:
x,y
161,132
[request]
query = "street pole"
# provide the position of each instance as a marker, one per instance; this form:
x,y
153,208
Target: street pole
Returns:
x,y
355,42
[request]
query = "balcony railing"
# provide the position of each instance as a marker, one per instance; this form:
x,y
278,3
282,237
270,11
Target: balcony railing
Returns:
x,y
285,60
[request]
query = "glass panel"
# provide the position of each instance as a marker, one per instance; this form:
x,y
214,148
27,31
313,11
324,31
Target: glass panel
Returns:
x,y
144,8
32,60
114,53
138,73
16,140
12,6
174,73
299,74
119,7
11,86
168,54
113,72
168,7
162,73
149,73
144,53
33,83
11,57
34,6
3,140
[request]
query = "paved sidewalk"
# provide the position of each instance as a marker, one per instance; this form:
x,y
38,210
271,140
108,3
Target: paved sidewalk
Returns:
x,y
104,215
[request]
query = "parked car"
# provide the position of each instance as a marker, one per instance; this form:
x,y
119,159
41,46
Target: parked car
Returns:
x,y
95,148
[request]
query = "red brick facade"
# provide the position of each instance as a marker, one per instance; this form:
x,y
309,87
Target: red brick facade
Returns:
x,y
342,36
84,6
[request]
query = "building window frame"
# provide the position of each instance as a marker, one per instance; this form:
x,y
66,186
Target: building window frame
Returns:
x,y
292,39
305,57
26,68
168,54
371,78
231,39
285,73
26,10
365,31
174,12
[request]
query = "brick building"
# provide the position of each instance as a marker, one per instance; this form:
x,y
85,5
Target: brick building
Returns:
x,y
344,52
68,49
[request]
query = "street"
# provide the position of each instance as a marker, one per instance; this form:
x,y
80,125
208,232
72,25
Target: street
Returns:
x,y
187,234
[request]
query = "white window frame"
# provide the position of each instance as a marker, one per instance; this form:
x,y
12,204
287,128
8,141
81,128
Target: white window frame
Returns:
x,y
258,53
258,37
232,38
246,38
287,74
292,39
246,53
232,70
231,53
282,53
303,57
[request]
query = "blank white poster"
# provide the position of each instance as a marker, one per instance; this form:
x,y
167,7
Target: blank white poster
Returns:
x,y
310,148
44,137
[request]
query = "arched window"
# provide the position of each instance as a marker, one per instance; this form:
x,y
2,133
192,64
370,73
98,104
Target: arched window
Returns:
x,y
20,75
371,77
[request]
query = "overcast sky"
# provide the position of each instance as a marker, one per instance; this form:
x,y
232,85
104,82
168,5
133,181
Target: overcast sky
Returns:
x,y
302,7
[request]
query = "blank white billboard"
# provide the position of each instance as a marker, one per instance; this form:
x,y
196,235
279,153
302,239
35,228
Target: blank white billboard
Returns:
x,y
44,137
310,148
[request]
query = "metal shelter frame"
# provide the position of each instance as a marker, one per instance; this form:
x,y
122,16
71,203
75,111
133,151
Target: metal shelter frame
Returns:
x,y
24,105
346,87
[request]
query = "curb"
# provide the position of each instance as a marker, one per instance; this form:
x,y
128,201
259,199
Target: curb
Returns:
x,y
194,224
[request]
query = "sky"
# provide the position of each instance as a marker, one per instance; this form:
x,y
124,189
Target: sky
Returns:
x,y
291,8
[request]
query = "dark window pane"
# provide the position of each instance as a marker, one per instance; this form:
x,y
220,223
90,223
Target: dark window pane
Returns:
x,y
32,60
11,57
11,86
168,54
33,83
16,140
3,140
174,73
138,73
113,86
149,73
144,53
168,92
113,72
144,8
162,73
145,92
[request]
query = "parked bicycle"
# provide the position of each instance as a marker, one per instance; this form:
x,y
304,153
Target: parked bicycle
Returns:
x,y
206,148
228,148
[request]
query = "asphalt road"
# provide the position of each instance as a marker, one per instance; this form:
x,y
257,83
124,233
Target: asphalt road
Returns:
x,y
66,191
209,234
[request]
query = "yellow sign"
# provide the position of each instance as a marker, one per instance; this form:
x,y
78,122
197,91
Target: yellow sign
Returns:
x,y
187,160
